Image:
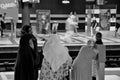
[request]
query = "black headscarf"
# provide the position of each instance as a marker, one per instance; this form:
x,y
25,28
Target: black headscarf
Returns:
x,y
25,65
25,29
99,38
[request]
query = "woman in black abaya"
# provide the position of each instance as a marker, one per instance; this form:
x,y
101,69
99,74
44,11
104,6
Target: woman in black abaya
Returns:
x,y
25,67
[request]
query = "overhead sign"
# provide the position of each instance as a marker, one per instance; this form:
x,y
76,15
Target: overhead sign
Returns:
x,y
10,7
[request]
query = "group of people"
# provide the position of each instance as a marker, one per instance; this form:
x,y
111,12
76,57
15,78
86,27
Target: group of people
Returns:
x,y
53,60
71,24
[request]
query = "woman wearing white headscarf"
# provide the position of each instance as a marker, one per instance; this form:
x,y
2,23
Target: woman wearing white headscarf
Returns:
x,y
56,60
82,65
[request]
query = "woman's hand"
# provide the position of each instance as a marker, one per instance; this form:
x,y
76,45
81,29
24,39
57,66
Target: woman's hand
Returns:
x,y
31,43
96,51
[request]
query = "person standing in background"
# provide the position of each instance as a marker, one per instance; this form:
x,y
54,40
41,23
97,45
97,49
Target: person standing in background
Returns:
x,y
98,41
54,26
2,24
98,38
72,24
117,31
4,20
4,17
94,25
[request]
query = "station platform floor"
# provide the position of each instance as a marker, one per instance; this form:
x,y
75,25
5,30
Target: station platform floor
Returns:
x,y
80,38
110,74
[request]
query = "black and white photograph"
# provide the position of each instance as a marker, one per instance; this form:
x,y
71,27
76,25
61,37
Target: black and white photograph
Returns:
x,y
59,39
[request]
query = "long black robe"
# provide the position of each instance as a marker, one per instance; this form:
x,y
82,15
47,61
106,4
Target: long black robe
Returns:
x,y
25,63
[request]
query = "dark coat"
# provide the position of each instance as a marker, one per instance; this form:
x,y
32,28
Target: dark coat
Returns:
x,y
26,59
99,42
117,26
2,24
94,24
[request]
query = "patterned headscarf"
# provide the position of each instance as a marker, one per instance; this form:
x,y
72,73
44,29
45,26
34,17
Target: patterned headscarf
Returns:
x,y
55,53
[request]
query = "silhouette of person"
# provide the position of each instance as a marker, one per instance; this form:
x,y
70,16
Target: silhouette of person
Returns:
x,y
25,67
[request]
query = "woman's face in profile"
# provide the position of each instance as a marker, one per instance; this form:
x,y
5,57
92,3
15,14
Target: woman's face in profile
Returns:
x,y
91,43
98,37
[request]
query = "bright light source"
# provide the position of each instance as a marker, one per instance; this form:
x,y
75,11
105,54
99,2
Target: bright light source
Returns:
x,y
65,1
31,1
25,0
35,1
